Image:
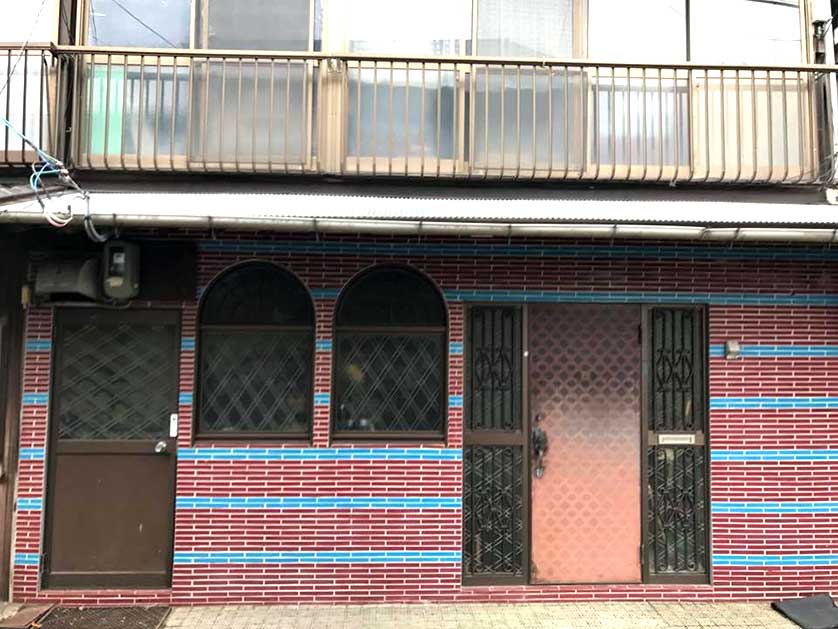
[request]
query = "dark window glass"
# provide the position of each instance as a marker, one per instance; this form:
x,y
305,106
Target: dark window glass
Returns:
x,y
391,296
256,354
257,294
389,355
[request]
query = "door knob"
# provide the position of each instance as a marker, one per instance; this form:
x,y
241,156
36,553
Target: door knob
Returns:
x,y
539,447
161,448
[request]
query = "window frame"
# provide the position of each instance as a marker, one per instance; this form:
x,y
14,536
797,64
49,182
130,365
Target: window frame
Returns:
x,y
244,435
433,436
200,15
333,36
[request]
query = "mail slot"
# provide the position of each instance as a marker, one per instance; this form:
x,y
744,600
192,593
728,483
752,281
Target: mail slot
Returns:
x,y
677,439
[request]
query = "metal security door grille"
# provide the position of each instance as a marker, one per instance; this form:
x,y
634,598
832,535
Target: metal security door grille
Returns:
x,y
676,520
496,485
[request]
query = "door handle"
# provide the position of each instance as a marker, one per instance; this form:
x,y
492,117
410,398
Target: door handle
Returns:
x,y
540,443
161,448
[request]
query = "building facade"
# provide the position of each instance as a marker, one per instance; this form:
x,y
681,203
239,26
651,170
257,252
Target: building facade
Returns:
x,y
579,346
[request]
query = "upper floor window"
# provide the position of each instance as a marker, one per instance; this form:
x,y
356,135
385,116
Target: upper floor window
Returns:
x,y
146,23
531,28
390,356
401,28
706,31
220,24
256,348
745,31
256,24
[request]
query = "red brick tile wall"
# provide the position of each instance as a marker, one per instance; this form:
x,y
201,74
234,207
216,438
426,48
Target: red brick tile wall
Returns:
x,y
393,529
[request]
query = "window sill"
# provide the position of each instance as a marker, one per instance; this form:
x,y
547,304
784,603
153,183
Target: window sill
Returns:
x,y
249,440
381,439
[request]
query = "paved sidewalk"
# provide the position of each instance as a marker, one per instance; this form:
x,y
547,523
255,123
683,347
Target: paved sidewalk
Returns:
x,y
481,616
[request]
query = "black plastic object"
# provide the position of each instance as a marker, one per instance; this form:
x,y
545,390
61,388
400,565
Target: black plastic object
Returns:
x,y
815,612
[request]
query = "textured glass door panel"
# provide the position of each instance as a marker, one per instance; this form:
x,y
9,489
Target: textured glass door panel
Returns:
x,y
116,378
585,385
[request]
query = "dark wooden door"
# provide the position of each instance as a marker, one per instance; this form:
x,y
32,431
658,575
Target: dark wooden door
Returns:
x,y
496,451
112,460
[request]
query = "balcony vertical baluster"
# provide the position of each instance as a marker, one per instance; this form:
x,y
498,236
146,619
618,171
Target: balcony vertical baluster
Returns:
x,y
813,142
158,88
173,114
786,156
754,130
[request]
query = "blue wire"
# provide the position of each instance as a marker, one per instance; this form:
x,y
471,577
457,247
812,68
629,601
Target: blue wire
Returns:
x,y
45,157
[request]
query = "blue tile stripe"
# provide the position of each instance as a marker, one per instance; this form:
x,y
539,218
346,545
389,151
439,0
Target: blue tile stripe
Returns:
x,y
323,345
35,399
318,502
184,398
38,345
534,250
780,351
187,344
325,293
26,559
455,348
31,454
29,504
720,299
775,507
775,560
317,557
322,399
455,401
802,455
743,403
320,454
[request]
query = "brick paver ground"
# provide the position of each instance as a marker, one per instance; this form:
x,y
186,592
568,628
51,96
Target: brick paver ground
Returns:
x,y
481,616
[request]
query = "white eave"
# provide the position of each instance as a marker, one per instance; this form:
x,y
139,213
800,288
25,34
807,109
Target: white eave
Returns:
x,y
582,216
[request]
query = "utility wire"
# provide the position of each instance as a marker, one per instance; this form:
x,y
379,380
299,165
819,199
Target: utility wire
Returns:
x,y
143,24
22,50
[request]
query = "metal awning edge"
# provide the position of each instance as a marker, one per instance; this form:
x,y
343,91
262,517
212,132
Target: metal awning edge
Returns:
x,y
383,215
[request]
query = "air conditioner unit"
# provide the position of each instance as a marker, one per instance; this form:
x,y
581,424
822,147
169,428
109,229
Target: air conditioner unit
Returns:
x,y
68,279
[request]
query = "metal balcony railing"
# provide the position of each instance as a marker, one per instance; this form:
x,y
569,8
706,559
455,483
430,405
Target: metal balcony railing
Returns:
x,y
27,103
439,117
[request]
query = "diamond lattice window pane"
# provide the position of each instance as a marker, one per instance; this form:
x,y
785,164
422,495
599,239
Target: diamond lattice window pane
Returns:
x,y
389,382
115,380
255,382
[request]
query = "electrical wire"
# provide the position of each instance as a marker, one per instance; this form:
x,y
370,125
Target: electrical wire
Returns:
x,y
143,24
22,50
48,166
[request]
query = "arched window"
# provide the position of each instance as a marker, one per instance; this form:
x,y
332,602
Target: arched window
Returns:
x,y
390,331
256,348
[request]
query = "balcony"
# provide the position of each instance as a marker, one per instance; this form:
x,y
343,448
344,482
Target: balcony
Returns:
x,y
473,118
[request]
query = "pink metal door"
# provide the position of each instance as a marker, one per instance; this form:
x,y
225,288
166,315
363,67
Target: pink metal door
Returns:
x,y
584,379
